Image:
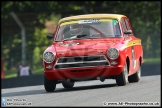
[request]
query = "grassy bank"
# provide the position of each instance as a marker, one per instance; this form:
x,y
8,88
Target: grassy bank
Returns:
x,y
152,60
13,72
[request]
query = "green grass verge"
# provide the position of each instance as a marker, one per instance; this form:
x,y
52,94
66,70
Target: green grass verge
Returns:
x,y
152,60
13,72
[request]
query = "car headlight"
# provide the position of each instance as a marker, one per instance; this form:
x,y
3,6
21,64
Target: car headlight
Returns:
x,y
48,57
113,53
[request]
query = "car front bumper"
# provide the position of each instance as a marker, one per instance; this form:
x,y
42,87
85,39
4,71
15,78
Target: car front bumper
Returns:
x,y
84,72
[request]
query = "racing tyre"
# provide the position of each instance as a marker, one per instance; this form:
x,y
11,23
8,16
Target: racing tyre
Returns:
x,y
49,85
67,84
122,79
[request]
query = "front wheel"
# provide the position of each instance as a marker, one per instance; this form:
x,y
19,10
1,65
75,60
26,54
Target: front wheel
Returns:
x,y
49,85
122,79
67,84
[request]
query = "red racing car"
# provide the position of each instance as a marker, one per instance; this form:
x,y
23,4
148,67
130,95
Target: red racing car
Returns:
x,y
92,46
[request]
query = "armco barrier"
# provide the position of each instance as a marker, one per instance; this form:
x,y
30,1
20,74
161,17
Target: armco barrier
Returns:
x,y
22,81
147,70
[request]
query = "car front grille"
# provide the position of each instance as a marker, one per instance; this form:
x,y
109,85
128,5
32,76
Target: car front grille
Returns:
x,y
81,61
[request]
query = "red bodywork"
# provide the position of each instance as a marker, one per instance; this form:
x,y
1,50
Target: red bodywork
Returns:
x,y
90,47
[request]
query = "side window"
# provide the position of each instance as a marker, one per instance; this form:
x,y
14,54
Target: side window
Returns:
x,y
128,25
124,26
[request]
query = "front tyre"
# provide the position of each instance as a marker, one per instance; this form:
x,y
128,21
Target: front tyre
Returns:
x,y
67,84
122,79
49,85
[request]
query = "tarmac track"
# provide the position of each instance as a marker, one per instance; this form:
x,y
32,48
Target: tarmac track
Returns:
x,y
147,92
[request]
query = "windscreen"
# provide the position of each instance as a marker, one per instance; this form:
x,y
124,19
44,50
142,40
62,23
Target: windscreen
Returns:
x,y
89,28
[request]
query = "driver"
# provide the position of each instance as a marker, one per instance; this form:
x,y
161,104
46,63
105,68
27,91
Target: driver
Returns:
x,y
76,29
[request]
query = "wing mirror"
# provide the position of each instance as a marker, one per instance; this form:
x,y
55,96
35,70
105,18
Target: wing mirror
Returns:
x,y
128,32
50,36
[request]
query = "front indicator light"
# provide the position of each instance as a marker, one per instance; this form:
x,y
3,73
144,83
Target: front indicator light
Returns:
x,y
113,63
48,67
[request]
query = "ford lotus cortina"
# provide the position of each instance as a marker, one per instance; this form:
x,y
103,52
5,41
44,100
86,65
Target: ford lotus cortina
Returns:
x,y
92,47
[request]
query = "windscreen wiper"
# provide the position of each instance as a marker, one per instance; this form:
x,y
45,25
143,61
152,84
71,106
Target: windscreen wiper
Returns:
x,y
74,37
80,36
77,36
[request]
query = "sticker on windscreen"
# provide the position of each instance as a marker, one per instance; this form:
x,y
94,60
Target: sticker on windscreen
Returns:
x,y
88,21
114,21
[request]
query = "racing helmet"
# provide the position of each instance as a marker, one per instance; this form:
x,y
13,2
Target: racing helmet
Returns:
x,y
76,29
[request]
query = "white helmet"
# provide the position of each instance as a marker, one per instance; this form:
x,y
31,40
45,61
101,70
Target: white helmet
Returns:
x,y
76,29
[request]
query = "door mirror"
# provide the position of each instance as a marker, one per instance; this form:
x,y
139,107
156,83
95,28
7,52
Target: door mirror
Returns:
x,y
49,36
128,32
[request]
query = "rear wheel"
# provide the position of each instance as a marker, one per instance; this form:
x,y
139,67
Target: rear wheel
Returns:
x,y
67,84
135,77
122,79
49,85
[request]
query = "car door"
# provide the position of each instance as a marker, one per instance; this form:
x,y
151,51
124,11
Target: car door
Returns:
x,y
134,44
129,38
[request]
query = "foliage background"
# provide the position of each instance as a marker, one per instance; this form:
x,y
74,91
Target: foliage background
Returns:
x,y
37,16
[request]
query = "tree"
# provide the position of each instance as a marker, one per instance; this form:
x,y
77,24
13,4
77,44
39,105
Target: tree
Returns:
x,y
144,16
